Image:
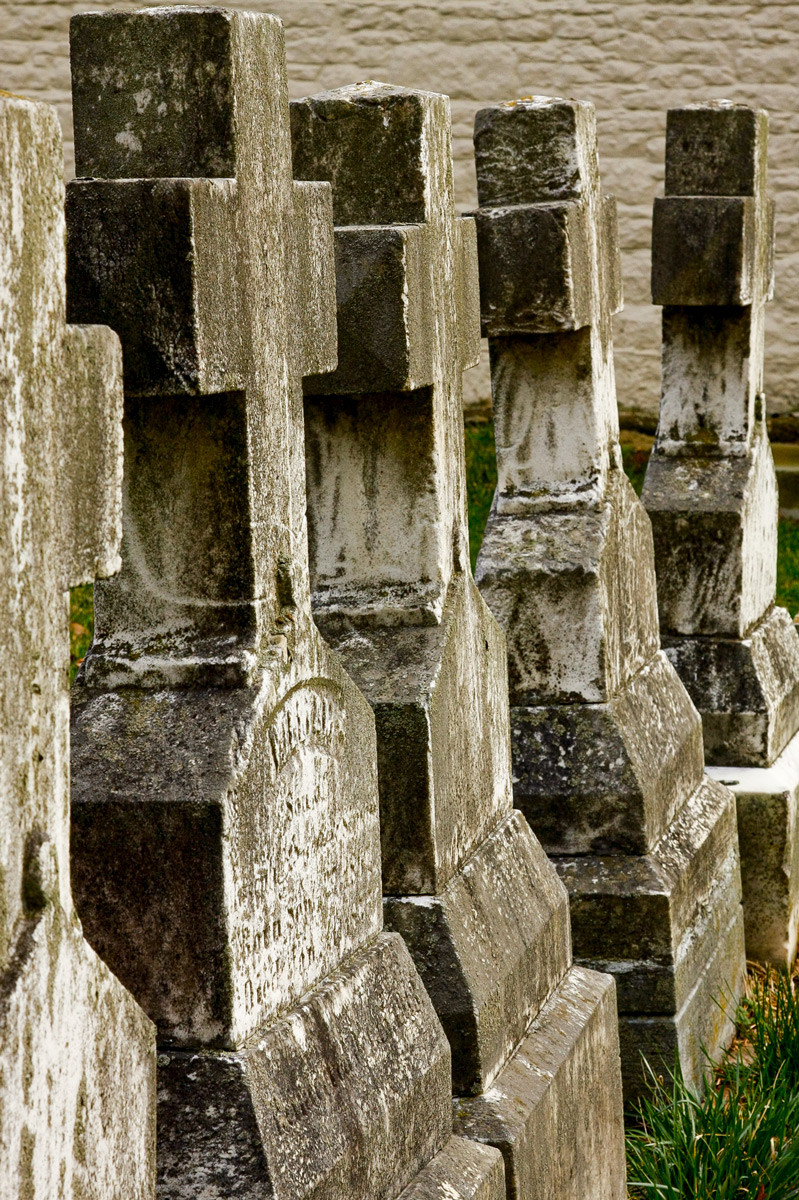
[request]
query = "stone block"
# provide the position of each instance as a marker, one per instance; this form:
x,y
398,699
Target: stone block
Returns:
x,y
385,311
716,149
543,575
699,1032
767,802
714,523
560,1088
468,299
174,787
128,122
654,921
345,1096
608,778
534,151
703,250
441,710
533,268
490,948
463,1170
747,691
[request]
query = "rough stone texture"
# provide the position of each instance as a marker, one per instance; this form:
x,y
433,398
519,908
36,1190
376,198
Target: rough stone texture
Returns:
x,y
607,746
309,1120
225,823
570,1059
711,489
69,1031
489,961
465,882
747,691
590,779
464,1170
767,801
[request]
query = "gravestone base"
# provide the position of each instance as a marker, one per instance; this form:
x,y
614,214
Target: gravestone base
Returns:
x,y
746,691
600,778
344,1096
61,1073
561,1087
668,925
491,948
699,1032
767,801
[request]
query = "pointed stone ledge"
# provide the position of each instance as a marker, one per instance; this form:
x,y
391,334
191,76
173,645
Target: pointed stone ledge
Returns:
x,y
767,802
747,691
540,1102
608,778
463,1170
700,1030
653,921
360,1062
491,949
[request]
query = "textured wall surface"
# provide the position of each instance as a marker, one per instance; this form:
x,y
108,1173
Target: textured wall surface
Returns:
x,y
633,58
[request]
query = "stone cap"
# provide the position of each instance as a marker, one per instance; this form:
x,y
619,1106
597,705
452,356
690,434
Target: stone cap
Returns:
x,y
383,160
716,148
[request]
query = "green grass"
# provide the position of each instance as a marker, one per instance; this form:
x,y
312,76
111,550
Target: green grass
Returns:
x,y
81,625
481,480
740,1138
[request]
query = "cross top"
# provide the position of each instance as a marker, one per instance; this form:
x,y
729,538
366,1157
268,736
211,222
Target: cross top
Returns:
x,y
60,475
712,270
383,435
193,242
549,284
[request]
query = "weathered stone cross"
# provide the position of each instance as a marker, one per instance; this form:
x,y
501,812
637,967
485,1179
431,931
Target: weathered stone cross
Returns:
x,y
607,751
226,836
69,1031
465,882
711,493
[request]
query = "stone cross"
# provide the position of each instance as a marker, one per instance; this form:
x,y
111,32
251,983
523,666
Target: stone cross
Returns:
x,y
607,750
226,835
711,493
69,1031
465,882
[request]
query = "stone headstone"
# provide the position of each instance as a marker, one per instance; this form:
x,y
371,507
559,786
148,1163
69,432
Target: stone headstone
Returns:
x,y
534,1050
711,494
607,747
77,1054
226,844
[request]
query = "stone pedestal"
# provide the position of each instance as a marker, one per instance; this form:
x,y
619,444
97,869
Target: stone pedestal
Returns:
x,y
77,1054
226,848
465,881
711,493
607,746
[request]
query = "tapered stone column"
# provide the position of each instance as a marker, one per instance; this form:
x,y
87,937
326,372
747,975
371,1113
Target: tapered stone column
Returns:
x,y
226,843
607,746
77,1054
535,1066
711,493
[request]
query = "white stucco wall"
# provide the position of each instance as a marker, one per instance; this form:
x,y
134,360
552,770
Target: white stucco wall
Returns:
x,y
633,58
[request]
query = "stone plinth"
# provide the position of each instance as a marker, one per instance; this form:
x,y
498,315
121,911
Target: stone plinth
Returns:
x,y
226,841
77,1054
607,746
711,492
465,881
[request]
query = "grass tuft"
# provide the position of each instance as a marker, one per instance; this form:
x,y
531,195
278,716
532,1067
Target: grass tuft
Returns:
x,y
740,1138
